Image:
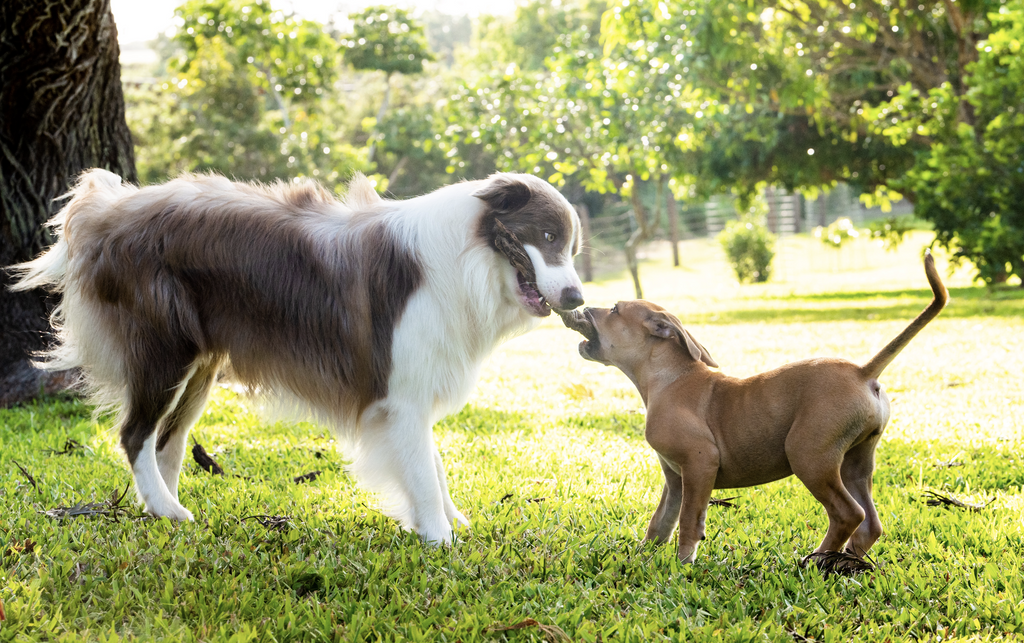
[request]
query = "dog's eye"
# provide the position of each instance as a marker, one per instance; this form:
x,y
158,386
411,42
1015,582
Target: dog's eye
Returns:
x,y
550,237
615,309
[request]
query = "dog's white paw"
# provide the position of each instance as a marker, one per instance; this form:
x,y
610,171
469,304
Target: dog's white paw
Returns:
x,y
174,512
457,520
439,535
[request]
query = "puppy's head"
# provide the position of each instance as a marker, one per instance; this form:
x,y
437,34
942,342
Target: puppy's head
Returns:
x,y
545,231
627,333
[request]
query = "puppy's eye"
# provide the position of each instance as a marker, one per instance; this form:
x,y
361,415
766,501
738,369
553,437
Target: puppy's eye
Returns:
x,y
615,309
549,237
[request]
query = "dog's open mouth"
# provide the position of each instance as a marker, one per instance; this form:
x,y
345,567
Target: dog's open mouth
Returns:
x,y
531,298
581,322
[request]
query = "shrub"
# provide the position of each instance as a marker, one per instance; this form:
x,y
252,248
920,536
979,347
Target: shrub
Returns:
x,y
750,248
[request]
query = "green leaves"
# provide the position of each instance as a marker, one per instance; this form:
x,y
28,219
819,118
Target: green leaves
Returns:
x,y
386,38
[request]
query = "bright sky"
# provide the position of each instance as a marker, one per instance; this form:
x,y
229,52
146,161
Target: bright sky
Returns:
x,y
141,20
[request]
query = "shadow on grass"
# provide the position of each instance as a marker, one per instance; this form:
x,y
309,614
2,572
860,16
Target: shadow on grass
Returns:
x,y
964,303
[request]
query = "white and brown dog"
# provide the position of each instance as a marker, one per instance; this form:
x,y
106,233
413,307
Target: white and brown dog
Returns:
x,y
375,314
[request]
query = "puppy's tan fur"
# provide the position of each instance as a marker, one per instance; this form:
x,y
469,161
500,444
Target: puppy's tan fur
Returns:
x,y
819,419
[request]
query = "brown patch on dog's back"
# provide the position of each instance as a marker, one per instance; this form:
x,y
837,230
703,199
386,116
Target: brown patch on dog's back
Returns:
x,y
296,291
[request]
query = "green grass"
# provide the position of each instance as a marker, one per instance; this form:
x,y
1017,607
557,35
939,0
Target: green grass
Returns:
x,y
549,463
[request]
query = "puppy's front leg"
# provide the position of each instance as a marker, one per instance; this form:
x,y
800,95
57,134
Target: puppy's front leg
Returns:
x,y
699,471
667,513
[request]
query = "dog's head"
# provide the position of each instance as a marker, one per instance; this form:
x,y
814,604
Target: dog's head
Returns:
x,y
628,332
538,231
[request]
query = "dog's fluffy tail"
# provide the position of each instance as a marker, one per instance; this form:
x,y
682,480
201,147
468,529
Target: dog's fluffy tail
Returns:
x,y
93,196
95,189
884,357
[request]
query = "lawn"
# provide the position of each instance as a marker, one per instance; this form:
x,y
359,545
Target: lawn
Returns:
x,y
549,463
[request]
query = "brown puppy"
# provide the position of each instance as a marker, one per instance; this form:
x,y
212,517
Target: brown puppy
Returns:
x,y
819,419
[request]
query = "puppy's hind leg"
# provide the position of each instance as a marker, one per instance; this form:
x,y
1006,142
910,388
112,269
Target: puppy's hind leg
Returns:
x,y
173,433
820,473
858,467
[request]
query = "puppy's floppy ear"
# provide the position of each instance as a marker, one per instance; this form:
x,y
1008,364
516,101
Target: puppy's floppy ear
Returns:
x,y
662,325
504,193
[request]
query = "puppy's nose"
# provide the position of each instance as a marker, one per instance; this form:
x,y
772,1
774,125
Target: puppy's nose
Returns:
x,y
571,298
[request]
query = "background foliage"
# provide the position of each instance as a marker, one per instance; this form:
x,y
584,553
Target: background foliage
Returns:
x,y
895,98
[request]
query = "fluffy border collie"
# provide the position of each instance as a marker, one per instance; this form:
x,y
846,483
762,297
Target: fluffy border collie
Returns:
x,y
376,315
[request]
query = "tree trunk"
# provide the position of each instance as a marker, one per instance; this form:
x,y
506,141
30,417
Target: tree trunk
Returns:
x,y
586,260
380,117
61,112
641,234
673,226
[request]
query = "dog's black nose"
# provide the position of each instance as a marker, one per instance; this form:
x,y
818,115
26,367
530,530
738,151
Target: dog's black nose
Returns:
x,y
571,298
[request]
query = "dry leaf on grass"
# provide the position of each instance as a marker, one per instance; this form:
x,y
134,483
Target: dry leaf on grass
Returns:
x,y
842,563
552,633
203,459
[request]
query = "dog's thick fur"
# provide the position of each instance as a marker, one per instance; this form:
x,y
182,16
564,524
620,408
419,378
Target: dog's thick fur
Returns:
x,y
374,314
819,419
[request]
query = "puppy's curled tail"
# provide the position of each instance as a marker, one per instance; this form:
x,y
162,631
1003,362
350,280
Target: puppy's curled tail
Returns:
x,y
96,190
884,357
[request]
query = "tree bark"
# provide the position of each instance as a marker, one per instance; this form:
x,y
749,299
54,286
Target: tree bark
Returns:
x,y
673,226
586,260
61,112
640,235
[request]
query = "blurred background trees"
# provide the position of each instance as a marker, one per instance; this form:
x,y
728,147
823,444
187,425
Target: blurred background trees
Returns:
x,y
634,109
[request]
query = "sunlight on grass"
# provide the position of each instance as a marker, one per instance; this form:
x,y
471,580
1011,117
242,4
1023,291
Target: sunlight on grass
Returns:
x,y
549,462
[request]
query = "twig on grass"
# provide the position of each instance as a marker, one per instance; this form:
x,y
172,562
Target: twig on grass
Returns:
x,y
843,563
70,446
270,522
307,477
723,502
28,475
203,459
552,633
936,499
111,507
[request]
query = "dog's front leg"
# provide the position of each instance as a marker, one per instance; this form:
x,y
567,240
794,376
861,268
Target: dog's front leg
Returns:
x,y
667,514
699,470
397,458
454,516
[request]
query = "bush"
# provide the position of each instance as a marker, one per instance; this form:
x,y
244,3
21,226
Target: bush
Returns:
x,y
750,248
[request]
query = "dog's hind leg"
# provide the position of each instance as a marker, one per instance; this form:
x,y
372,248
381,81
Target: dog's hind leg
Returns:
x,y
451,512
173,434
858,467
819,471
152,393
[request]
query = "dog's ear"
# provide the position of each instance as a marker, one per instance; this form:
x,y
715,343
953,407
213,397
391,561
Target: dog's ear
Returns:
x,y
504,193
361,193
662,325
704,355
